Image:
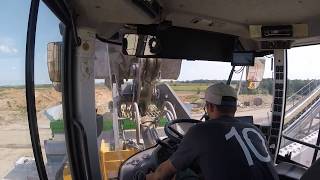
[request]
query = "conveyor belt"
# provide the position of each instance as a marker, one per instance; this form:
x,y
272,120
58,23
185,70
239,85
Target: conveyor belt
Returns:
x,y
293,113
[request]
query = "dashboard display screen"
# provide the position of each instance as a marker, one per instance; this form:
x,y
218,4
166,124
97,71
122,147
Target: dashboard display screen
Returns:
x,y
242,59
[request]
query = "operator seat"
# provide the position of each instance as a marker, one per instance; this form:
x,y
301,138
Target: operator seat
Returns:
x,y
289,171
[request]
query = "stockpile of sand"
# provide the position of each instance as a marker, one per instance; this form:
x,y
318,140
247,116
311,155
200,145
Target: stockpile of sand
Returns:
x,y
13,102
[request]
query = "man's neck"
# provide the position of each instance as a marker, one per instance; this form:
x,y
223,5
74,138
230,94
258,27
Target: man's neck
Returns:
x,y
222,115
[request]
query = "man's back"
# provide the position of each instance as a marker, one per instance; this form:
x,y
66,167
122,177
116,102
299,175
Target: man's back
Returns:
x,y
225,149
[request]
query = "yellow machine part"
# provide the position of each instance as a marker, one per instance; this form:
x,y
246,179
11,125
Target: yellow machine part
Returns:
x,y
66,173
110,161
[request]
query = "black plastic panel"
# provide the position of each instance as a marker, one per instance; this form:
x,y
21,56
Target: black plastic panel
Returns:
x,y
185,43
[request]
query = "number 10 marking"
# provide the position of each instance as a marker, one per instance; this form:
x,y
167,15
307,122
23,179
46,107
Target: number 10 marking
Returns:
x,y
234,132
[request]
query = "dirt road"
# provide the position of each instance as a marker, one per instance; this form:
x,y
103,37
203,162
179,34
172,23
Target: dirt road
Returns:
x,y
15,142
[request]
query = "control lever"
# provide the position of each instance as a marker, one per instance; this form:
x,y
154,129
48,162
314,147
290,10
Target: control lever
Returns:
x,y
158,140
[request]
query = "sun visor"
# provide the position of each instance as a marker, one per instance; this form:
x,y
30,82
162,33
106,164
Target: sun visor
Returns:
x,y
185,43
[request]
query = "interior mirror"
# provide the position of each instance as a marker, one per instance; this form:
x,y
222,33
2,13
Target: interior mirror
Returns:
x,y
141,45
54,56
129,44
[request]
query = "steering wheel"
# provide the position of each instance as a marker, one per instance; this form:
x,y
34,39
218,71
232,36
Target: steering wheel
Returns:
x,y
172,133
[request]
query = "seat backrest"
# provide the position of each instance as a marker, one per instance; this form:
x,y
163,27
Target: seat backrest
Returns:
x,y
313,172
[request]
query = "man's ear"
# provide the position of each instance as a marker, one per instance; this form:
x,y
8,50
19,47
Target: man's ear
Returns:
x,y
211,107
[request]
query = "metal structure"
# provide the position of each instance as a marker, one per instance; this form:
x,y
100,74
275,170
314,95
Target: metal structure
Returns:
x,y
301,101
298,96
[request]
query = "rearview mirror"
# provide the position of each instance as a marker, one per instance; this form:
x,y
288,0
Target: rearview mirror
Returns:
x,y
141,45
54,57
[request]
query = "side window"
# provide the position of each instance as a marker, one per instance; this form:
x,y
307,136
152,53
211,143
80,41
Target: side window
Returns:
x,y
48,55
17,160
302,112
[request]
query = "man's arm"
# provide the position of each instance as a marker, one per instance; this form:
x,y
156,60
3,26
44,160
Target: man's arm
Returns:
x,y
165,171
179,160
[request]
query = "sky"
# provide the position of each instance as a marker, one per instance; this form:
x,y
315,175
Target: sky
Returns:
x,y
13,21
303,62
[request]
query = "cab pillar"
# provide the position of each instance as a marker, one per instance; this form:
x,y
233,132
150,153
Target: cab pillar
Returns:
x,y
85,110
279,100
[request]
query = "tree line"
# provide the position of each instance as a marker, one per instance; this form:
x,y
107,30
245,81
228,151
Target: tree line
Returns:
x,y
265,86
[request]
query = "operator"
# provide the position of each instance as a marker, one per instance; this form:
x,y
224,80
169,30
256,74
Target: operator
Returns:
x,y
223,147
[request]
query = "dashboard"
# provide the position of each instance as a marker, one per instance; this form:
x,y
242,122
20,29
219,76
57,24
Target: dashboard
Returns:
x,y
140,164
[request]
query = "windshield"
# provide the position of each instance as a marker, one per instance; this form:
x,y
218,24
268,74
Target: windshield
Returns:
x,y
90,106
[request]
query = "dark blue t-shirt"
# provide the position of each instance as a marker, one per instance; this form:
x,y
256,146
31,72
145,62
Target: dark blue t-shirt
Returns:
x,y
225,149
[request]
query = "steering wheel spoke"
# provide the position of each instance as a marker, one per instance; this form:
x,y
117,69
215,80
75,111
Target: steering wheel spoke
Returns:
x,y
174,134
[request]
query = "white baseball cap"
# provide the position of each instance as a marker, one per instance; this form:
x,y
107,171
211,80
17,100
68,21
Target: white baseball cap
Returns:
x,y
219,94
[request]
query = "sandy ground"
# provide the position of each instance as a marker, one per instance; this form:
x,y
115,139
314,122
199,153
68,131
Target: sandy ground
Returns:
x,y
14,132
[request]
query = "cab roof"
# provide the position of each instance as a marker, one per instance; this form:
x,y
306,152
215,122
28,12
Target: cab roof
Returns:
x,y
226,16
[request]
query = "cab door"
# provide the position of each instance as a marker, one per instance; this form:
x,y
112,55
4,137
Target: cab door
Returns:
x,y
79,161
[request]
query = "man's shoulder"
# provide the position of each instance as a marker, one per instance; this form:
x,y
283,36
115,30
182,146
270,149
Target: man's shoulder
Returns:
x,y
211,126
200,128
223,123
